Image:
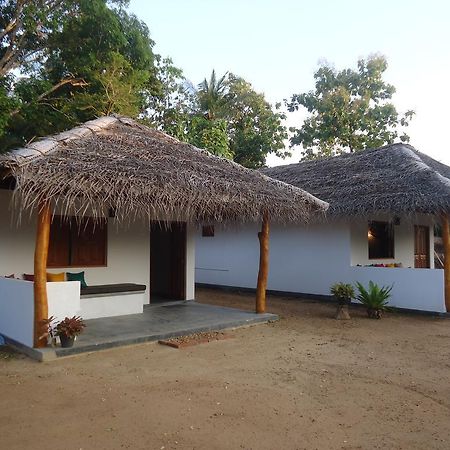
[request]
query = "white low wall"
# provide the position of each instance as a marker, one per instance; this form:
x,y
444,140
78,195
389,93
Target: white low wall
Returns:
x,y
17,310
17,306
421,289
95,307
63,299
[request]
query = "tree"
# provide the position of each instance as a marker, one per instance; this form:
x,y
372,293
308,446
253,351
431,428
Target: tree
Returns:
x,y
231,119
25,27
254,128
95,59
171,107
348,111
211,95
211,135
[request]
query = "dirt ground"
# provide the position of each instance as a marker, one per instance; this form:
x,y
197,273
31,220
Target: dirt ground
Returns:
x,y
305,382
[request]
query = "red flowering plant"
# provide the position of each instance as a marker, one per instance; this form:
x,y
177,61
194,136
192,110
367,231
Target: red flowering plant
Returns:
x,y
70,327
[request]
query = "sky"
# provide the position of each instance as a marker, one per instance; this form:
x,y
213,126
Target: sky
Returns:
x,y
277,45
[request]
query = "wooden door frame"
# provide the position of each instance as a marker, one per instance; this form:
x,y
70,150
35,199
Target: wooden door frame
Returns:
x,y
427,249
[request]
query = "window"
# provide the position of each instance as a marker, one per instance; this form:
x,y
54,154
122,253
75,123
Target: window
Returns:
x,y
208,231
381,240
77,243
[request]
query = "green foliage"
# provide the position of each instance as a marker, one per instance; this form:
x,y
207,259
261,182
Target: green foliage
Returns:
x,y
342,291
374,297
62,63
26,26
171,107
254,128
348,111
211,96
94,59
211,135
223,115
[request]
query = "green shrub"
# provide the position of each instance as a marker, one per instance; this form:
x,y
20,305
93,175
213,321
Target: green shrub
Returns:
x,y
374,298
343,292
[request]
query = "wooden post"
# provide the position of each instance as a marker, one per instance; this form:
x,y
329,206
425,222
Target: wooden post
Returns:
x,y
263,272
40,275
446,242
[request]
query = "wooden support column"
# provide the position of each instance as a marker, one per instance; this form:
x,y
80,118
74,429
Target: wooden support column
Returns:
x,y
446,242
263,272
40,275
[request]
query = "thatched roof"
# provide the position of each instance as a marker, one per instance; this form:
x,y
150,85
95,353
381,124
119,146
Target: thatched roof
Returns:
x,y
117,163
395,179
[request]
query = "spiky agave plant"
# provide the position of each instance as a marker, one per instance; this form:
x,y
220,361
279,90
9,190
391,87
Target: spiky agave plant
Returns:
x,y
375,298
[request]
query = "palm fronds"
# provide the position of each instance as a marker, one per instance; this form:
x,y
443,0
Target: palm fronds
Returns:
x,y
375,297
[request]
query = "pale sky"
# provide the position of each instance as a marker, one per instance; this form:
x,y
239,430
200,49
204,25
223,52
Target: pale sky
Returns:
x,y
277,44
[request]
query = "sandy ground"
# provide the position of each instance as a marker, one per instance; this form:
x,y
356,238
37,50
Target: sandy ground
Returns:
x,y
305,382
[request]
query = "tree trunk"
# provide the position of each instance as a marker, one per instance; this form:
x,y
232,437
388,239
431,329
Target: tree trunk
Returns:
x,y
263,273
40,275
446,241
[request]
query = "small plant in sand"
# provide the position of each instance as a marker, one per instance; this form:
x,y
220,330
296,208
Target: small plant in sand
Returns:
x,y
374,298
343,292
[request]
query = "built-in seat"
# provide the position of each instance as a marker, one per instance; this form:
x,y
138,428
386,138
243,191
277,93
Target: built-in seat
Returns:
x,y
107,300
106,289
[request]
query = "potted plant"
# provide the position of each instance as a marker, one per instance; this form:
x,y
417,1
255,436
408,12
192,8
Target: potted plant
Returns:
x,y
343,293
68,328
375,298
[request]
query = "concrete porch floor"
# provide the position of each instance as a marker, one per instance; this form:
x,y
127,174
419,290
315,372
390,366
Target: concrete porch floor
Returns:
x,y
160,322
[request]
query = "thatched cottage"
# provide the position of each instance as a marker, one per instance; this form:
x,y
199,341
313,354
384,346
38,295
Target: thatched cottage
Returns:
x,y
114,205
384,204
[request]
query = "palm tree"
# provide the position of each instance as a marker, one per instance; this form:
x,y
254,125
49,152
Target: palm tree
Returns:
x,y
212,95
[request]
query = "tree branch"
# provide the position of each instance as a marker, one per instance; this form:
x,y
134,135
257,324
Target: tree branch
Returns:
x,y
72,81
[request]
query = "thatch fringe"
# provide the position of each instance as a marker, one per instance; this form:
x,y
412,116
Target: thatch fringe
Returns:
x,y
394,179
117,163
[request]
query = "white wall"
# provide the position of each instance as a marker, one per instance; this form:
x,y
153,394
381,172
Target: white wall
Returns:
x,y
421,289
17,310
301,259
309,260
63,299
17,306
403,241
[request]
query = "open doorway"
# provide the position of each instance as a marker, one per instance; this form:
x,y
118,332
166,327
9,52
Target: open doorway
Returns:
x,y
167,262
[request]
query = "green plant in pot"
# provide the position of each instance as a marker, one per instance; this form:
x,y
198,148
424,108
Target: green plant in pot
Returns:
x,y
68,329
374,298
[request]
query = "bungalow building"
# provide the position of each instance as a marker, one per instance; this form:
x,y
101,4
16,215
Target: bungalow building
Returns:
x,y
101,220
384,205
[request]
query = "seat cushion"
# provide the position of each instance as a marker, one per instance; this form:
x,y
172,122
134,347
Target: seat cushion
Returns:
x,y
56,276
112,288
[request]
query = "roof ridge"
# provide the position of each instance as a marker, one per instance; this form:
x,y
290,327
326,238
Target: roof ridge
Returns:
x,y
415,154
48,144
400,145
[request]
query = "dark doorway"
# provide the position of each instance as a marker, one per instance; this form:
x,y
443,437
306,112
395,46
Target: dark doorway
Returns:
x,y
167,262
421,247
